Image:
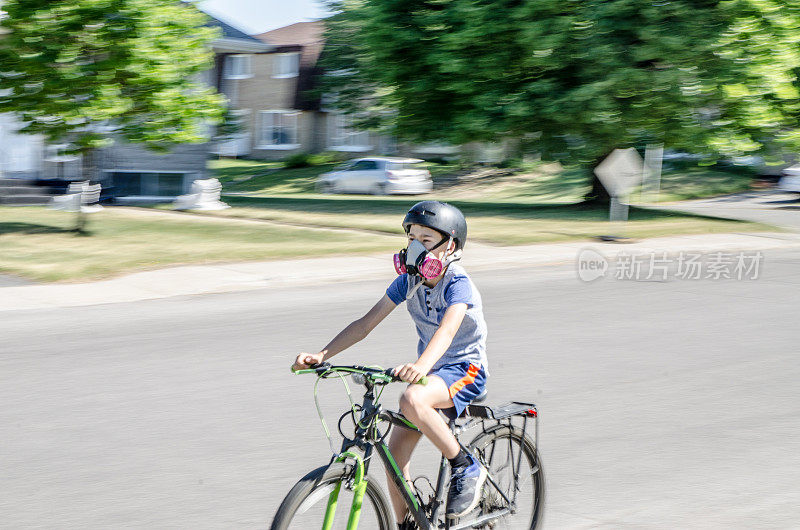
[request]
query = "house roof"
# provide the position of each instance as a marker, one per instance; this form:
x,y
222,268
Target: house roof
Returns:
x,y
306,35
228,30
306,38
234,40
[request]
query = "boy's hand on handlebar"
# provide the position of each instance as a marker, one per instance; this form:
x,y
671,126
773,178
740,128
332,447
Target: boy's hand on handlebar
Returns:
x,y
306,360
410,373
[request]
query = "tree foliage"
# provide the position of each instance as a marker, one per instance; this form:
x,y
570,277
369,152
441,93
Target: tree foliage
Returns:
x,y
89,71
577,77
347,83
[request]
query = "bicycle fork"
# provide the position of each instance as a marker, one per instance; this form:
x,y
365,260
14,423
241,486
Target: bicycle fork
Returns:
x,y
359,488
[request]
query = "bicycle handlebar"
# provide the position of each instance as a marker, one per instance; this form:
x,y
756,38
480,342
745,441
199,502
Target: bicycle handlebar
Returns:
x,y
377,375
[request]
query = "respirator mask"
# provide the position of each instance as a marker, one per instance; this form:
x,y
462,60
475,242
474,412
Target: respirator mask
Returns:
x,y
416,259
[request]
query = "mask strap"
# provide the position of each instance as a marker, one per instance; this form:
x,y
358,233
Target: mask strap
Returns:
x,y
439,244
455,256
415,288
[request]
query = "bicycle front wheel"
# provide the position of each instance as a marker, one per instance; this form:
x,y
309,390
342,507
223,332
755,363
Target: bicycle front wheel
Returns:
x,y
305,506
506,452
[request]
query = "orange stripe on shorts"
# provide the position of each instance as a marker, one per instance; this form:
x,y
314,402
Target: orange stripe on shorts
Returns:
x,y
472,373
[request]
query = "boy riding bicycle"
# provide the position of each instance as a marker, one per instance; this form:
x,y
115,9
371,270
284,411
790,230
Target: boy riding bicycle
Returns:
x,y
447,311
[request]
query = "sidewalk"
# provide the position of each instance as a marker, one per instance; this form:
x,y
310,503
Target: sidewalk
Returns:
x,y
219,278
772,207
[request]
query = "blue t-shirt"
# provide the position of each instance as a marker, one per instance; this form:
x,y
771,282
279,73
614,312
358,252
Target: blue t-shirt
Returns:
x,y
427,306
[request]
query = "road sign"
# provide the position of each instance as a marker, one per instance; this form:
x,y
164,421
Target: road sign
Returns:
x,y
620,171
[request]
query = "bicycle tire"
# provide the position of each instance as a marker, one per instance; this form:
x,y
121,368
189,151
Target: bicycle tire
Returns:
x,y
315,487
499,436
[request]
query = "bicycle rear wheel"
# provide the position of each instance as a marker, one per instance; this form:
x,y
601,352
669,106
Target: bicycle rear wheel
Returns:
x,y
305,505
503,449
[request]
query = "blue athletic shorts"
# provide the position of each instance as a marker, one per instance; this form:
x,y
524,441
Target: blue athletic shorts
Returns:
x,y
465,381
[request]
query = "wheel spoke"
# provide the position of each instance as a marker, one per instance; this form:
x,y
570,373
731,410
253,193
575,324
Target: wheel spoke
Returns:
x,y
508,456
306,506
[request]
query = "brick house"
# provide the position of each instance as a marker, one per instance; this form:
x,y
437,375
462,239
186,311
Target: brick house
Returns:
x,y
283,119
272,100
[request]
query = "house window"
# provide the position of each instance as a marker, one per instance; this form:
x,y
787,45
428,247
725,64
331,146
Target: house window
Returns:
x,y
286,65
146,183
342,137
278,129
238,67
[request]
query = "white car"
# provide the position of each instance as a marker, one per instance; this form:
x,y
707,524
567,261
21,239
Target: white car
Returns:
x,y
379,176
791,179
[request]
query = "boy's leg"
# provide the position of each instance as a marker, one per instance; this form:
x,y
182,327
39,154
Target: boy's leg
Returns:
x,y
401,443
419,403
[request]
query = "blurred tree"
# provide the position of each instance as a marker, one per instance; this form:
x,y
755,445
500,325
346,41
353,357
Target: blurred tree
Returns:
x,y
87,72
347,84
578,78
229,130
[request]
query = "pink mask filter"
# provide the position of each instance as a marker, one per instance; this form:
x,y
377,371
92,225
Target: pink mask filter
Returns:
x,y
399,265
431,268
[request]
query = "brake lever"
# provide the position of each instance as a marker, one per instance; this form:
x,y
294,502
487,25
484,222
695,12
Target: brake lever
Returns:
x,y
320,368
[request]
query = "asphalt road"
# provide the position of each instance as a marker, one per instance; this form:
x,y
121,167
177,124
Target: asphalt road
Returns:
x,y
663,404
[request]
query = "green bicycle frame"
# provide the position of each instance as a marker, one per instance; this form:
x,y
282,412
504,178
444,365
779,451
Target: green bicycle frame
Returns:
x,y
371,410
412,502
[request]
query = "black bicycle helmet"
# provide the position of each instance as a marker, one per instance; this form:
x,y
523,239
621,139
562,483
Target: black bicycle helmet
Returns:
x,y
440,216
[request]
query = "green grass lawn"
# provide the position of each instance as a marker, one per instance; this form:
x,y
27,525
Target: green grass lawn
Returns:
x,y
503,223
37,243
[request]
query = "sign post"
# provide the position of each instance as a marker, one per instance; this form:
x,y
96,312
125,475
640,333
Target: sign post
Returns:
x,y
651,179
620,172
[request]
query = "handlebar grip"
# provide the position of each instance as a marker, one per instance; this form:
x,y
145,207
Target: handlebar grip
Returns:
x,y
311,368
390,372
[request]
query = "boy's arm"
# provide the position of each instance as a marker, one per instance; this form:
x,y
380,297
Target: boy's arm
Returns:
x,y
353,333
439,343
